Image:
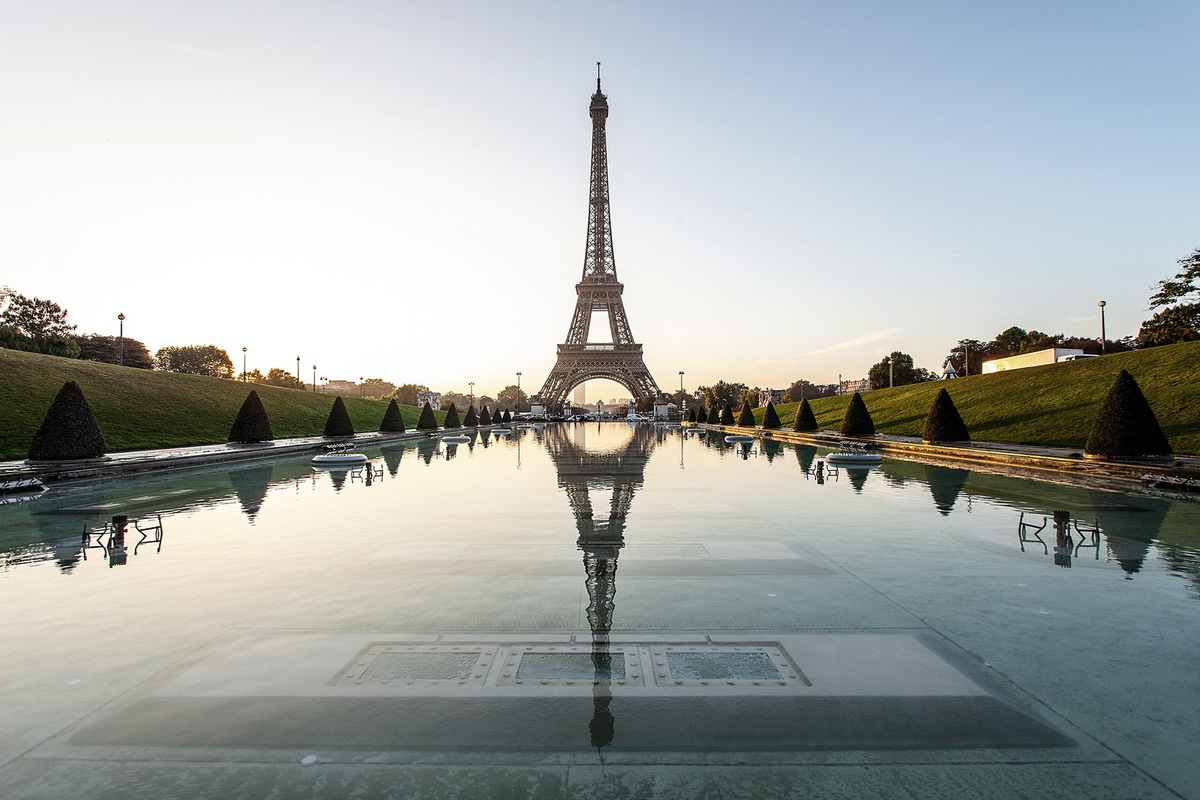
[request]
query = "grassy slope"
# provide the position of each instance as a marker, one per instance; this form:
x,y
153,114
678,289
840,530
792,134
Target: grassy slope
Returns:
x,y
139,409
1051,405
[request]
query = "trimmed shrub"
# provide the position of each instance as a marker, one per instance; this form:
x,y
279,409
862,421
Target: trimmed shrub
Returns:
x,y
69,430
714,416
806,420
471,420
1126,426
338,423
507,418
726,417
252,423
944,423
485,418
857,421
427,422
451,417
745,416
393,420
691,417
771,418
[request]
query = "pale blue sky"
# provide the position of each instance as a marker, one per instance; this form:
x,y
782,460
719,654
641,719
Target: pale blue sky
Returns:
x,y
399,189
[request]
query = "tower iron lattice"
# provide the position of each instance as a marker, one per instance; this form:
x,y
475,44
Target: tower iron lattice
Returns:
x,y
579,360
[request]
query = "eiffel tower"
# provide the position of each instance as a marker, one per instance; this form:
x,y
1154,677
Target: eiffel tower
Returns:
x,y
599,290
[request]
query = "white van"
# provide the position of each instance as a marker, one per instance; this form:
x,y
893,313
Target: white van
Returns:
x,y
1076,357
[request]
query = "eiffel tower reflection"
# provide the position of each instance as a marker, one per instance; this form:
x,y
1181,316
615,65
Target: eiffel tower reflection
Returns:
x,y
582,471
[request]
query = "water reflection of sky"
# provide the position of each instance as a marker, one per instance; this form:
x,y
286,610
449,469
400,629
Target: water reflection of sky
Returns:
x,y
418,489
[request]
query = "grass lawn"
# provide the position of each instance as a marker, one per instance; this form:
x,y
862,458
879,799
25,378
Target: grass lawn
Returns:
x,y
1049,405
141,409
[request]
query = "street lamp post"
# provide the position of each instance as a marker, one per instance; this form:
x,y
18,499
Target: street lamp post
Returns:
x,y
325,384
1103,337
299,385
121,340
472,385
360,387
244,365
682,402
314,379
966,359
518,392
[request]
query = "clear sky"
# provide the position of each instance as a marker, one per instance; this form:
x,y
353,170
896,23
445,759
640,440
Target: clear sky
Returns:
x,y
399,189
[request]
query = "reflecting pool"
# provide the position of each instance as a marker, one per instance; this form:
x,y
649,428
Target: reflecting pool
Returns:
x,y
598,610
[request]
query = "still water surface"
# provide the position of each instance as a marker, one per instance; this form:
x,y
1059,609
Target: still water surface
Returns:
x,y
534,606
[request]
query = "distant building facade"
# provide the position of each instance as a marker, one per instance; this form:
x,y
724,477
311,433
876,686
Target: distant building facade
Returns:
x,y
433,398
773,396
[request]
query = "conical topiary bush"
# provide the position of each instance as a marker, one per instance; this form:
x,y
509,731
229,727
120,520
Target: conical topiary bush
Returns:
x,y
1126,426
726,417
69,430
691,415
451,420
472,419
427,422
485,417
944,423
252,423
857,421
507,418
393,420
714,416
338,422
771,418
746,416
806,420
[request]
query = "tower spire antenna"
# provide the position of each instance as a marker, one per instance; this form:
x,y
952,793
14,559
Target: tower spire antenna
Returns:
x,y
597,77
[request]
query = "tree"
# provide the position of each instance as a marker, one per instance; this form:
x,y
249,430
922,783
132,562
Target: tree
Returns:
x,y
944,423
727,415
805,419
745,418
1126,426
406,393
721,393
714,415
898,367
512,396
771,418
377,388
966,356
748,398
471,420
114,350
454,399
427,422
338,422
1179,299
195,359
857,421
393,420
69,430
451,420
252,423
35,325
802,389
279,377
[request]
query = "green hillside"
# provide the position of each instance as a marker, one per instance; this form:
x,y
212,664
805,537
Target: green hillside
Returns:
x,y
1049,405
141,409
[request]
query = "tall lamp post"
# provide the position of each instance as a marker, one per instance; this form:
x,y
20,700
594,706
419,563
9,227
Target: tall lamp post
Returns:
x,y
360,387
518,392
966,359
325,384
314,388
299,385
244,365
682,402
472,385
121,340
1103,346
